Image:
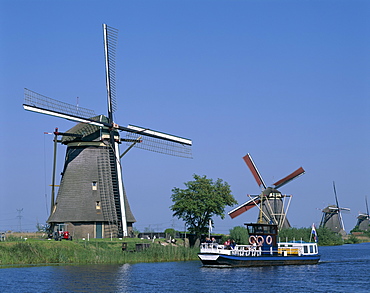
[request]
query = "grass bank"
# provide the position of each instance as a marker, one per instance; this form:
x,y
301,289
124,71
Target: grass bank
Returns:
x,y
89,252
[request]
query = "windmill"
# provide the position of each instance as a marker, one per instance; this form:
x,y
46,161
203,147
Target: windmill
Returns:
x,y
91,198
332,216
271,202
363,222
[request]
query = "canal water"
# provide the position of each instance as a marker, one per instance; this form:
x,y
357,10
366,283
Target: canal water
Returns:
x,y
343,268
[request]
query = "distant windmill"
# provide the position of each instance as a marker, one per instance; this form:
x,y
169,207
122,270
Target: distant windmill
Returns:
x,y
271,201
332,216
363,222
91,198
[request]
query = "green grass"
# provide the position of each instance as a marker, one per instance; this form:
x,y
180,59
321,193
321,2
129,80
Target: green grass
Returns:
x,y
95,251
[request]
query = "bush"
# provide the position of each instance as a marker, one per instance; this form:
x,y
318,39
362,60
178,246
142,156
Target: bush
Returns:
x,y
326,236
352,239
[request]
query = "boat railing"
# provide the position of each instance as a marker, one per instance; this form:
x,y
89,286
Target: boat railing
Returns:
x,y
240,250
212,247
247,250
284,249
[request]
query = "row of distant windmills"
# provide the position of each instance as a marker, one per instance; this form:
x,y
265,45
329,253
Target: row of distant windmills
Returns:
x,y
91,198
273,205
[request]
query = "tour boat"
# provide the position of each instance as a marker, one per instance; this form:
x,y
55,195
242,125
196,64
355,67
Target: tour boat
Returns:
x,y
263,250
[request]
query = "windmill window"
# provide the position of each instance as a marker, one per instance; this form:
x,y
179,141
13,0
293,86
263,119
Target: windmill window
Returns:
x,y
97,206
94,185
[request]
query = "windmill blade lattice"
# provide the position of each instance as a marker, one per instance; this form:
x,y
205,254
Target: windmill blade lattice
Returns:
x,y
110,41
159,145
35,100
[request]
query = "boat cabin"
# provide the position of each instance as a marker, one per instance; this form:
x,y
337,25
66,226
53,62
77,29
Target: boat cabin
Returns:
x,y
264,236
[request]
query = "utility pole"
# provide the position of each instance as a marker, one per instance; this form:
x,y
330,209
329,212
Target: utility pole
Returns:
x,y
20,219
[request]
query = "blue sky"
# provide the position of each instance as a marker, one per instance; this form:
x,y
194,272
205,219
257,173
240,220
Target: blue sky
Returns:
x,y
287,81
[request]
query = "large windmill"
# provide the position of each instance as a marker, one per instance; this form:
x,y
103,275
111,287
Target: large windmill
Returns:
x,y
91,198
271,202
332,216
363,222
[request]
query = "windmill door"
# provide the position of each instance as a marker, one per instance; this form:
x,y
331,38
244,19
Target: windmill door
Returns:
x,y
99,229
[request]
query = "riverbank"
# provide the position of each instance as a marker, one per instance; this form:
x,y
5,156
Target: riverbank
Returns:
x,y
91,252
34,249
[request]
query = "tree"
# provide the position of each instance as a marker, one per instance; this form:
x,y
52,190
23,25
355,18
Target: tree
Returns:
x,y
170,232
240,235
200,201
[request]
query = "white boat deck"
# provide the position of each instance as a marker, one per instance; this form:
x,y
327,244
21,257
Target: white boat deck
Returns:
x,y
284,248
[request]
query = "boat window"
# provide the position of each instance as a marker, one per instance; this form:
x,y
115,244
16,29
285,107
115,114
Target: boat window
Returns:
x,y
315,248
282,245
311,248
290,245
305,249
258,229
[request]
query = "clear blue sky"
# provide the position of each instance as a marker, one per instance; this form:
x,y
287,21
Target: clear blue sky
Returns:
x,y
287,81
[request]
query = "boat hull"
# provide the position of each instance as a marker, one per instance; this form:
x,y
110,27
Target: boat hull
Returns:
x,y
220,260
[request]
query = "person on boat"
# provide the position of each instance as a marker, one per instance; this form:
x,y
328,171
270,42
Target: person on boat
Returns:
x,y
232,244
254,245
227,243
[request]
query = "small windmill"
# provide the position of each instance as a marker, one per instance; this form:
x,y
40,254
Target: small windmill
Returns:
x,y
363,222
91,198
271,201
332,216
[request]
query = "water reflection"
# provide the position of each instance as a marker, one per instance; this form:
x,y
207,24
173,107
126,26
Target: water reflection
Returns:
x,y
342,268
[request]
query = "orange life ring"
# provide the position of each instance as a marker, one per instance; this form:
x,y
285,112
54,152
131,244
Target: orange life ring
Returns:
x,y
252,239
260,240
268,239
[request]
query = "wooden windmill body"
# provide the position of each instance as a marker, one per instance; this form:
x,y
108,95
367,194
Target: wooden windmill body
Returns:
x,y
363,222
272,204
332,216
91,198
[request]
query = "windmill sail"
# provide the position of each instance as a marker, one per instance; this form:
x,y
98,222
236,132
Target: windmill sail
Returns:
x,y
41,104
245,207
177,146
160,142
252,167
110,45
